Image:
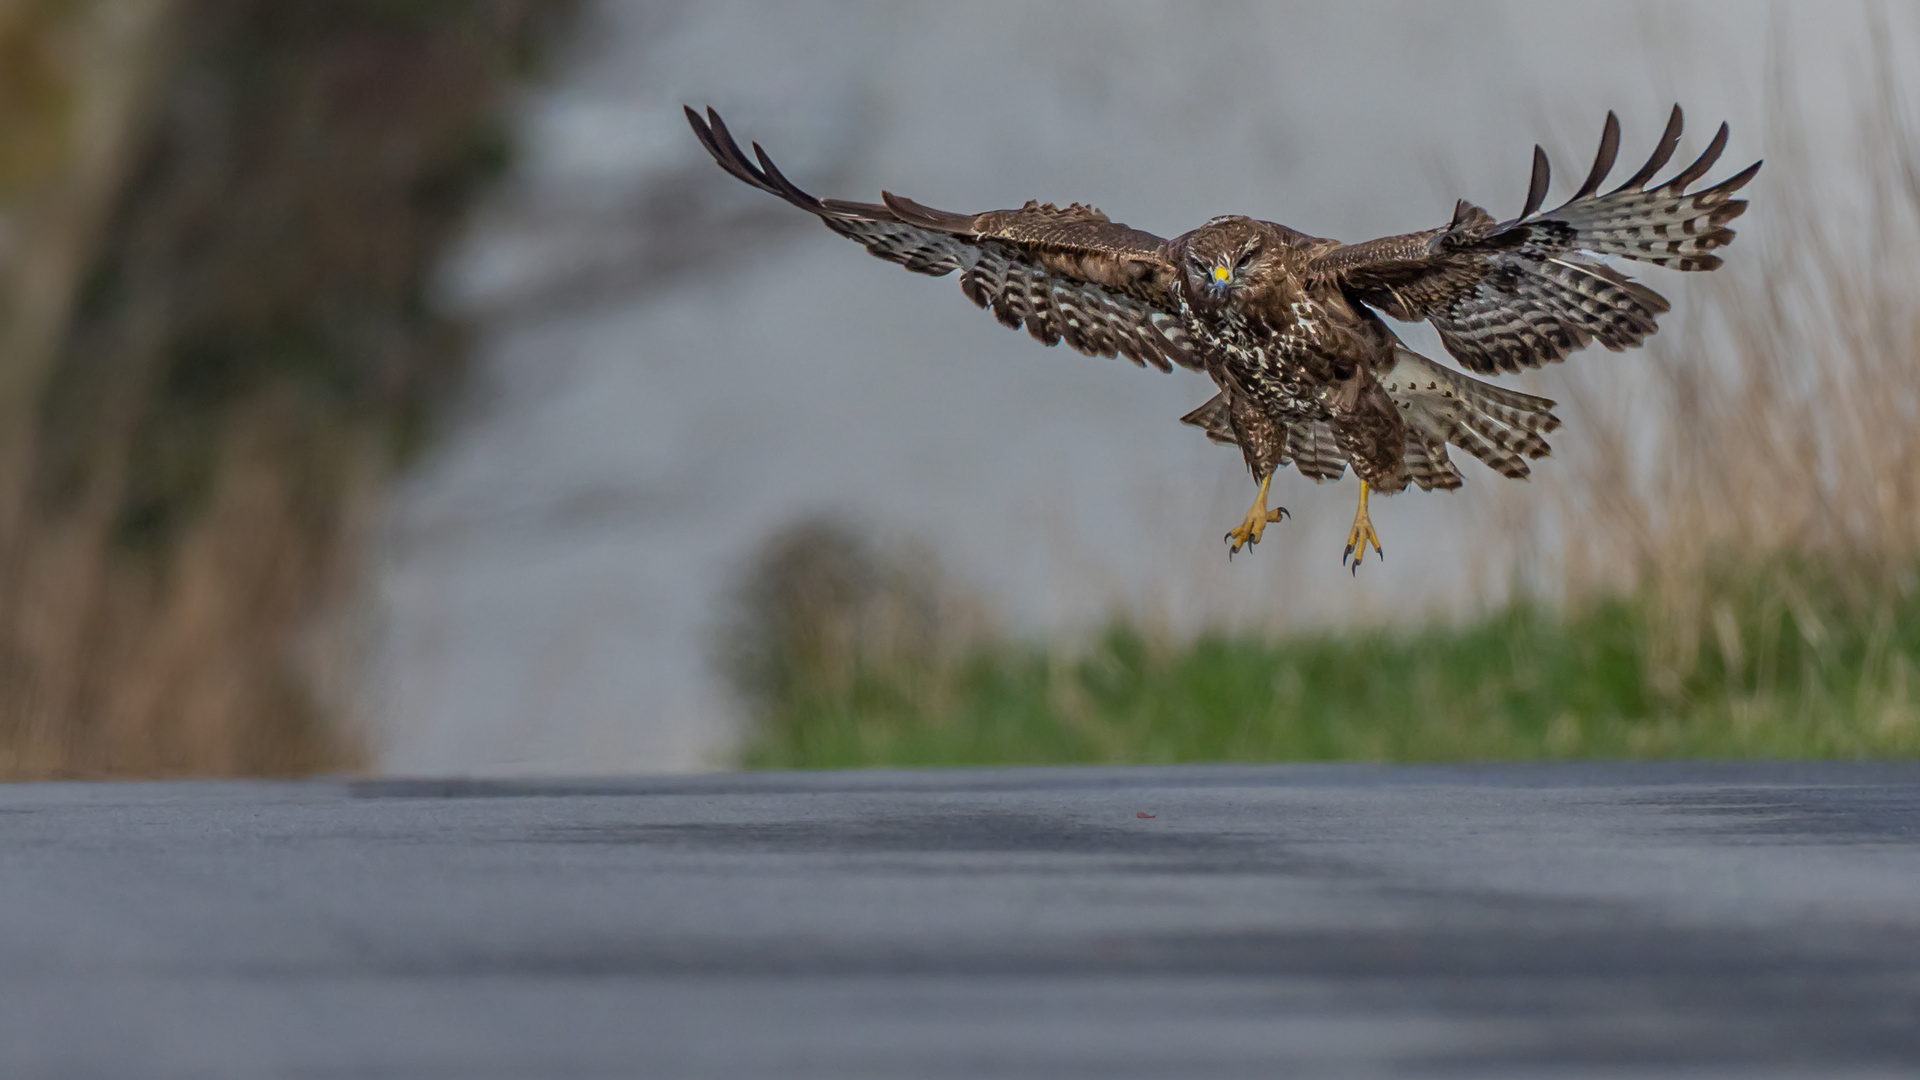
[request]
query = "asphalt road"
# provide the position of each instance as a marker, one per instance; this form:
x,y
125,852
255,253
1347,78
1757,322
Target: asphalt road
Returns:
x,y
1533,921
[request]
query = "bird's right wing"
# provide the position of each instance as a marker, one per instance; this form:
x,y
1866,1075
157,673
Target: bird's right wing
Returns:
x,y
1067,274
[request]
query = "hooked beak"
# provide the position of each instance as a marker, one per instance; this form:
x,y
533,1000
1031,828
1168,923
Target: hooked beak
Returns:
x,y
1220,279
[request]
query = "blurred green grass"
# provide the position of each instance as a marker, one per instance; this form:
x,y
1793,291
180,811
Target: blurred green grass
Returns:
x,y
1780,678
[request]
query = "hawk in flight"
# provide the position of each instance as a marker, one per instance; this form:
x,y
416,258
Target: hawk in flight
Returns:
x,y
1286,324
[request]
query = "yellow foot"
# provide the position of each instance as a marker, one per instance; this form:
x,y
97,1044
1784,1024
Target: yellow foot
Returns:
x,y
1247,533
1361,535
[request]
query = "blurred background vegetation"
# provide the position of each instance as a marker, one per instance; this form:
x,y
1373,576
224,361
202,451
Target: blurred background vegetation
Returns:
x,y
217,224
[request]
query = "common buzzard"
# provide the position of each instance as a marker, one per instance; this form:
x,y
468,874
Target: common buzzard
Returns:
x,y
1285,324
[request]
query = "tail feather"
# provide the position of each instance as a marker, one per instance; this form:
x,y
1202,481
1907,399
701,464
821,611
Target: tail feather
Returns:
x,y
1428,465
1503,428
1310,445
1315,452
1214,419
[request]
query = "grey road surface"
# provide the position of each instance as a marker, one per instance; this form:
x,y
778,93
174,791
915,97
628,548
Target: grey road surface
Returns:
x,y
1532,921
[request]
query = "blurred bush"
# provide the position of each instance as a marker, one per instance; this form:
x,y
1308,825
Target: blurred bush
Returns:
x,y
828,615
218,219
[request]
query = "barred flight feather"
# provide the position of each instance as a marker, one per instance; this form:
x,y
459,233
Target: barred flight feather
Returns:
x,y
1529,291
1022,286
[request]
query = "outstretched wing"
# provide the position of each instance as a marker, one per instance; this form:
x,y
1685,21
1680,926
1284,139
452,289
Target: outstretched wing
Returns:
x,y
1529,291
1067,274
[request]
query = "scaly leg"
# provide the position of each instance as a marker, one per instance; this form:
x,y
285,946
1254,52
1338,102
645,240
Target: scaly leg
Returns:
x,y
1247,533
1362,534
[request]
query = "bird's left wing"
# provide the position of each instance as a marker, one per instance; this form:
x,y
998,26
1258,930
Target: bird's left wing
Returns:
x,y
1066,273
1525,292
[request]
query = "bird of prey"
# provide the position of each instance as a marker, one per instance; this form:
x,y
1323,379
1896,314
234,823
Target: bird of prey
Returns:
x,y
1286,324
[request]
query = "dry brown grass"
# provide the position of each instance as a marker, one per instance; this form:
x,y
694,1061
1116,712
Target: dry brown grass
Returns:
x,y
123,664
1769,475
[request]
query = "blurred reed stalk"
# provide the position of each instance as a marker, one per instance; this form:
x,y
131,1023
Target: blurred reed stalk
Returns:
x,y
218,221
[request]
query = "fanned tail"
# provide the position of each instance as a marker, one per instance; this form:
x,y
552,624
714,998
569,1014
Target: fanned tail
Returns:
x,y
1505,429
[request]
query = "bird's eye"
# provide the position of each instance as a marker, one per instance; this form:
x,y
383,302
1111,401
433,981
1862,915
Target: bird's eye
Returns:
x,y
1245,258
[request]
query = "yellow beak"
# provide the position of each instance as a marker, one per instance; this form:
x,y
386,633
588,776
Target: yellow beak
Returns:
x,y
1221,273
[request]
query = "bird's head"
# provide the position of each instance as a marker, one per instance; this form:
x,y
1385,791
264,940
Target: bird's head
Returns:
x,y
1221,256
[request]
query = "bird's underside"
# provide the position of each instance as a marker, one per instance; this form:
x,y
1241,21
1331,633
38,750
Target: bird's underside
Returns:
x,y
1286,326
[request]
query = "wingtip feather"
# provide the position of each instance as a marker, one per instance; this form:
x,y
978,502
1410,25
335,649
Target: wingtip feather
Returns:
x,y
1537,187
1602,161
1704,162
1662,153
